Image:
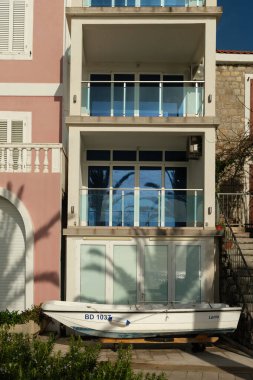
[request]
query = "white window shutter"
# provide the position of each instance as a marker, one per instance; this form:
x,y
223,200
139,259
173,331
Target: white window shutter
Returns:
x,y
17,131
18,28
3,131
17,137
4,25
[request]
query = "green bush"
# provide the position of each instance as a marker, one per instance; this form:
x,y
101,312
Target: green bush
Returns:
x,y
15,317
24,359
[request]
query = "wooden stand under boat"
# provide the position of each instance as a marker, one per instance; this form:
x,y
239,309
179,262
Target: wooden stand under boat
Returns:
x,y
177,340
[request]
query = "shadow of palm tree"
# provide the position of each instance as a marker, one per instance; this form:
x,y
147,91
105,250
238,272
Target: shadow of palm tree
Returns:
x,y
14,277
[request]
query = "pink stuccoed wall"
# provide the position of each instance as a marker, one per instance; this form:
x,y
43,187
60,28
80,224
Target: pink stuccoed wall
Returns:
x,y
41,195
46,115
46,63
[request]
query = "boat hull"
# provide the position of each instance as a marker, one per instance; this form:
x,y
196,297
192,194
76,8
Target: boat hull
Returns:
x,y
121,321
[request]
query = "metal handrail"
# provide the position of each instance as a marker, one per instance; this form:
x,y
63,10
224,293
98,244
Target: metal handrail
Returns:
x,y
233,261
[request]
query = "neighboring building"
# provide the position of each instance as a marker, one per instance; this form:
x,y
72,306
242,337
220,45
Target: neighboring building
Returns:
x,y
234,100
31,151
234,104
142,131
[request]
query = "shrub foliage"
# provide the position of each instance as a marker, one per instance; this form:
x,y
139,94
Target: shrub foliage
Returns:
x,y
24,359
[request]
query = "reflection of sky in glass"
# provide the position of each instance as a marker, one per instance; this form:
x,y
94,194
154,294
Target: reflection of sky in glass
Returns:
x,y
150,178
98,200
175,201
123,200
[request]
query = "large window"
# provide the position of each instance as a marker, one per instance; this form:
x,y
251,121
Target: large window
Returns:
x,y
134,271
16,20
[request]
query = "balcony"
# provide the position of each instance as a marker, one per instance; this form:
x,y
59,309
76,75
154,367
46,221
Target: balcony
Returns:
x,y
141,207
167,98
143,3
31,158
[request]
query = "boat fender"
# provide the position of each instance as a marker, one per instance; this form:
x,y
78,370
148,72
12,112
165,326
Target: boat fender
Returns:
x,y
119,321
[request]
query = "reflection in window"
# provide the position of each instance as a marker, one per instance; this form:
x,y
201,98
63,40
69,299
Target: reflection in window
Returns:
x,y
150,198
175,200
123,95
188,275
123,198
100,95
149,95
156,273
98,196
92,271
124,274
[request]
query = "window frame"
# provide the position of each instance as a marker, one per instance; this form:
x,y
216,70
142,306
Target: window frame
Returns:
x,y
28,34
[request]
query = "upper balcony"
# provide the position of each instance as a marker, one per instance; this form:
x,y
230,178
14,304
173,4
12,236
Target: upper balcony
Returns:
x,y
144,3
149,61
147,98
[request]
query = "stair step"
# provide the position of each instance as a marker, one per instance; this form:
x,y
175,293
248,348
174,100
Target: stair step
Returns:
x,y
244,240
246,246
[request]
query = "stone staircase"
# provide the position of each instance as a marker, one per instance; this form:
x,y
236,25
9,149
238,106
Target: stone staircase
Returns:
x,y
237,279
245,241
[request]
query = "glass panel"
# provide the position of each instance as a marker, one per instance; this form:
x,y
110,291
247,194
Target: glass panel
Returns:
x,y
124,274
175,201
149,95
150,178
125,3
98,200
173,96
124,155
175,156
194,100
195,202
156,273
123,104
101,3
98,155
92,273
150,3
188,273
149,155
175,3
100,95
123,200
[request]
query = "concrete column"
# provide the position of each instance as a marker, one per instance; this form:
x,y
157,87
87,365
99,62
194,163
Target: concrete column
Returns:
x,y
72,271
76,67
209,177
210,67
74,176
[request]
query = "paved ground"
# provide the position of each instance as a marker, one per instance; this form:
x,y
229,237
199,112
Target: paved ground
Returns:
x,y
218,362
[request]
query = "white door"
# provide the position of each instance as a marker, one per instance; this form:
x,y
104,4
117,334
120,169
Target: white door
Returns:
x,y
12,257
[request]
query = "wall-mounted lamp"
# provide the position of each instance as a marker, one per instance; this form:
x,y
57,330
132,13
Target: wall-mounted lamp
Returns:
x,y
74,99
210,210
72,209
210,98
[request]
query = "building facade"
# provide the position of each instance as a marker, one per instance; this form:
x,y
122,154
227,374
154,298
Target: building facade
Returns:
x,y
31,152
142,131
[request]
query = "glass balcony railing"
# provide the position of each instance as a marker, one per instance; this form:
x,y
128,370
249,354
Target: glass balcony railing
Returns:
x,y
143,3
141,207
146,98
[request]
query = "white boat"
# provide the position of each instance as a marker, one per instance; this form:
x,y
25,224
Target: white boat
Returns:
x,y
143,320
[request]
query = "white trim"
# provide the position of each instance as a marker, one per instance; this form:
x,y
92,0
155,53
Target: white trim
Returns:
x,y
28,37
248,78
234,58
31,89
26,117
29,244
